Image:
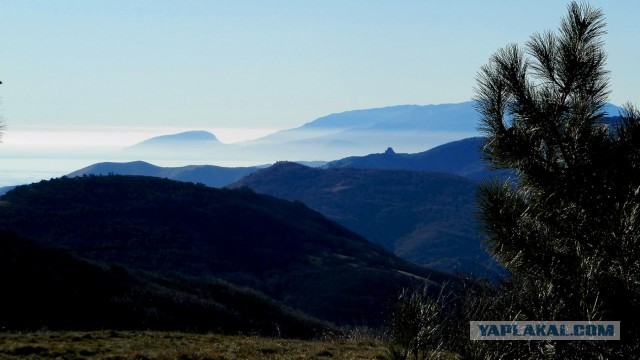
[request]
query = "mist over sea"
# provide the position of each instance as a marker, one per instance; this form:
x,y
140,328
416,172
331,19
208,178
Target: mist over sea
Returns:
x,y
29,155
25,166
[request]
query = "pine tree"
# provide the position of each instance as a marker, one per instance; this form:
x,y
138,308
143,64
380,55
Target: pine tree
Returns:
x,y
567,226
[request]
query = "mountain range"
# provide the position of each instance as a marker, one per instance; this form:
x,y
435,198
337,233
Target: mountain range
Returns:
x,y
405,128
427,218
462,157
284,249
210,175
89,251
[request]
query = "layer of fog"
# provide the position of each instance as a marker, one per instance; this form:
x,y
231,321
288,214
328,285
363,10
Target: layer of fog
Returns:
x,y
25,163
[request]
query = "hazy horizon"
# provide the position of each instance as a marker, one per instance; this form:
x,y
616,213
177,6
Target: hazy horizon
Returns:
x,y
92,77
58,151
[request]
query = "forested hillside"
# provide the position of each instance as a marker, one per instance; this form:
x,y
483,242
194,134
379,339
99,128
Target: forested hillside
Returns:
x,y
427,218
47,287
282,248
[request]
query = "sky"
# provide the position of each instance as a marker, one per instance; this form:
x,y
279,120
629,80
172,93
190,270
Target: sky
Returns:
x,y
122,70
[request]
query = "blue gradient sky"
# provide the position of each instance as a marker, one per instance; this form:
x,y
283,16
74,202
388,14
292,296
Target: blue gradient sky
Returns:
x,y
261,65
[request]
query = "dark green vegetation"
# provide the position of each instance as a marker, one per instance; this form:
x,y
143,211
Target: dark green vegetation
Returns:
x,y
214,176
50,288
570,226
185,231
427,218
569,230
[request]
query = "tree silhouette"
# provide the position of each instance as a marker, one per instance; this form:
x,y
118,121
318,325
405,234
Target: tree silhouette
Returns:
x,y
567,228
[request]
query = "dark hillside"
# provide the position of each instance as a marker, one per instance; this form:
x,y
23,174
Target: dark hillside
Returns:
x,y
282,248
428,218
46,287
210,175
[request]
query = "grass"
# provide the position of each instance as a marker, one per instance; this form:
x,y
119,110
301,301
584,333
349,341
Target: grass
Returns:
x,y
142,345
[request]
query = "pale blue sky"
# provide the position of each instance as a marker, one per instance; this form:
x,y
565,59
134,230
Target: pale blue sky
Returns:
x,y
263,64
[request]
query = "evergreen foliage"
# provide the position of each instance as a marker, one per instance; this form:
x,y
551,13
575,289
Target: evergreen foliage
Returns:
x,y
419,322
567,229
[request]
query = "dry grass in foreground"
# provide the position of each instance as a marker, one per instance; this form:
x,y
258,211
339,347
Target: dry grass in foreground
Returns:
x,y
173,345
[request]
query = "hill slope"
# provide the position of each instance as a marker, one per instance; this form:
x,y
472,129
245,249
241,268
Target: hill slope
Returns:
x,y
427,218
210,175
462,157
358,132
442,117
46,287
284,249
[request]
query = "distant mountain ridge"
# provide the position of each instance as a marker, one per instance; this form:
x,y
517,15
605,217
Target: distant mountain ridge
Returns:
x,y
462,157
210,175
442,117
405,128
196,144
358,132
199,136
